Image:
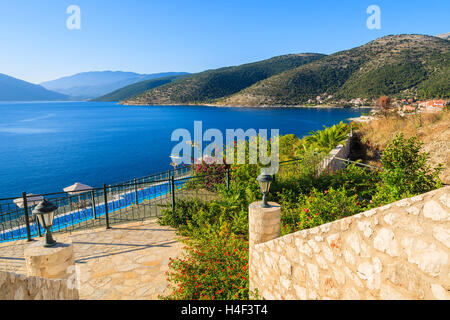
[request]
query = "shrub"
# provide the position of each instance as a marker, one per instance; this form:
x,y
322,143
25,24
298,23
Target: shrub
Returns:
x,y
212,268
356,180
207,176
406,170
327,139
185,210
318,208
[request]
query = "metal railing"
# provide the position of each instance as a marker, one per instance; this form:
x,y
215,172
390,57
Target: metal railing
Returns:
x,y
132,200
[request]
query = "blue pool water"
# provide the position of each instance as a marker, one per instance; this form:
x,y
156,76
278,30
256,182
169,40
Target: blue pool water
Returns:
x,y
46,146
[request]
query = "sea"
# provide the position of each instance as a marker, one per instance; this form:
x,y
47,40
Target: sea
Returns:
x,y
47,146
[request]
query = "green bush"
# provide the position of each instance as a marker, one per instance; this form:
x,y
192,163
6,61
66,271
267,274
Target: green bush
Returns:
x,y
318,208
327,139
406,171
356,180
185,210
215,267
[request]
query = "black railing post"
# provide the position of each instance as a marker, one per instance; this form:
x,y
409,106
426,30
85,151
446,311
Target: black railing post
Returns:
x,y
228,178
93,204
136,191
106,207
38,227
172,183
27,217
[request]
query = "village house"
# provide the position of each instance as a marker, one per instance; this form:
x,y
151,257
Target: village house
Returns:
x,y
409,108
435,105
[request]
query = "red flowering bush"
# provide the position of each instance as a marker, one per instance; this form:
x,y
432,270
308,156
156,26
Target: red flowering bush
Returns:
x,y
212,268
208,176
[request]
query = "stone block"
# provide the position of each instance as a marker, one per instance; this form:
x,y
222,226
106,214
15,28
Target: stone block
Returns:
x,y
389,293
442,234
385,241
439,292
50,263
264,223
427,256
366,228
432,210
401,274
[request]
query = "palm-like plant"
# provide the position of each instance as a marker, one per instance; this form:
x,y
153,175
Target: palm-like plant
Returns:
x,y
327,139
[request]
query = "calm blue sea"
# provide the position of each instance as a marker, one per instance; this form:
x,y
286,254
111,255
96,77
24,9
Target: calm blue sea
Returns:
x,y
46,146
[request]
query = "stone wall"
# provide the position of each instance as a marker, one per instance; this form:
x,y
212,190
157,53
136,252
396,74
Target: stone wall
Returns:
x,y
399,251
20,287
331,162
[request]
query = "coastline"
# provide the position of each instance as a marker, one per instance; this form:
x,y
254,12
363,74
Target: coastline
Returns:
x,y
362,119
246,106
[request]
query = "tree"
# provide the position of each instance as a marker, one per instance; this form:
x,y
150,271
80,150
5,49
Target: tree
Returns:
x,y
384,104
327,139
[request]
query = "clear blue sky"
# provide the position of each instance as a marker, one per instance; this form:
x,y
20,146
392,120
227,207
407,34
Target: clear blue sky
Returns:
x,y
148,36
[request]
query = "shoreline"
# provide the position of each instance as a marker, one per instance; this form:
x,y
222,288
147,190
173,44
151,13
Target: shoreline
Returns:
x,y
246,106
362,119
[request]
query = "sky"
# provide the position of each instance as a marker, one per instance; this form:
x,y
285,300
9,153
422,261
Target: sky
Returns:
x,y
150,36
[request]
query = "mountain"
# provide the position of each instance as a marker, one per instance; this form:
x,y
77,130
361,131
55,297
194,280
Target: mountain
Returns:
x,y
210,85
137,88
445,36
12,89
89,85
393,65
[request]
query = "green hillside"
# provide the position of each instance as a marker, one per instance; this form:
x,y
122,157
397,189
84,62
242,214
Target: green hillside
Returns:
x,y
404,64
136,89
210,85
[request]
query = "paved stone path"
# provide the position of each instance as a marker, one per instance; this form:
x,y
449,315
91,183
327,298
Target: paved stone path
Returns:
x,y
126,262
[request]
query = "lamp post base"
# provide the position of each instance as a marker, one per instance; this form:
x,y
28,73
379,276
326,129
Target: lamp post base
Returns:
x,y
49,241
49,245
264,203
50,263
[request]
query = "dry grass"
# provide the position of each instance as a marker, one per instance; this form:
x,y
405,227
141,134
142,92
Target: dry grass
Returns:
x,y
433,129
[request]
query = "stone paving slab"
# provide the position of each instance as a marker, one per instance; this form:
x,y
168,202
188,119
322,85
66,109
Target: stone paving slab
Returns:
x,y
126,262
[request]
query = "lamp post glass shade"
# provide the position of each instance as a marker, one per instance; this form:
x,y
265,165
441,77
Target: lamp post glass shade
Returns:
x,y
45,212
46,220
264,181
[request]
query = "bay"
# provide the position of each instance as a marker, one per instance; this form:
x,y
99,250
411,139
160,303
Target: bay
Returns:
x,y
46,146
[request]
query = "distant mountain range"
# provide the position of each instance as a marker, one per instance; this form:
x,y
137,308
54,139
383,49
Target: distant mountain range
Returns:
x,y
90,85
12,89
392,65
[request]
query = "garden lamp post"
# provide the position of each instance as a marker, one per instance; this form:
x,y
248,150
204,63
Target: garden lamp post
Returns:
x,y
192,144
264,181
45,211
